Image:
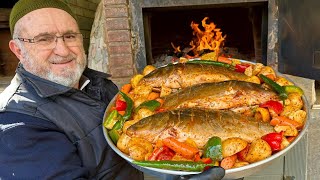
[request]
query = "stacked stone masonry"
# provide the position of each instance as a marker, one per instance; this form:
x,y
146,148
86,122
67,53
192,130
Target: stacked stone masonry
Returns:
x,y
85,11
118,40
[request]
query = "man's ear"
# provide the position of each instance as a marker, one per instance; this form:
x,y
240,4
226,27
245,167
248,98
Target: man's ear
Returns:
x,y
15,49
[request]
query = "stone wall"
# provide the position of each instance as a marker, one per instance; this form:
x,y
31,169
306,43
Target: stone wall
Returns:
x,y
111,48
85,11
118,38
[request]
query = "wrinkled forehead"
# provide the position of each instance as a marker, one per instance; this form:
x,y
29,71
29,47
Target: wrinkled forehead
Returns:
x,y
47,20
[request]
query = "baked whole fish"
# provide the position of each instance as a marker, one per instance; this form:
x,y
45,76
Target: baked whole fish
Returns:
x,y
183,75
220,95
199,125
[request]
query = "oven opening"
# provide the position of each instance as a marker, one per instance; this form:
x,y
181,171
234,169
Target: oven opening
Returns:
x,y
244,26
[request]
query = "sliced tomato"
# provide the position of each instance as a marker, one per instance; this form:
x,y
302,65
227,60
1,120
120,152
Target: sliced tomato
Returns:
x,y
167,154
120,105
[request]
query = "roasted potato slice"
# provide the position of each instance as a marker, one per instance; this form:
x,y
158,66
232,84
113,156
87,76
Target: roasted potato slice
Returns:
x,y
283,81
299,116
232,146
259,150
264,114
254,79
148,69
295,100
127,124
288,130
122,143
135,80
287,110
240,164
143,112
137,152
267,71
142,91
142,142
257,68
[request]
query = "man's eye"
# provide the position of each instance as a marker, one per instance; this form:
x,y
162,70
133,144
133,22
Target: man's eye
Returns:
x,y
45,39
69,36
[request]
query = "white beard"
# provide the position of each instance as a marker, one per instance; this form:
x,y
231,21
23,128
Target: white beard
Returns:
x,y
69,77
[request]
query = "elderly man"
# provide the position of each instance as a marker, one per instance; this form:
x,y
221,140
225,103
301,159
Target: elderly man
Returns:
x,y
51,113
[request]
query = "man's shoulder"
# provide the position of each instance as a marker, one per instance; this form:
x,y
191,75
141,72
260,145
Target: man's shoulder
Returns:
x,y
100,79
100,87
91,73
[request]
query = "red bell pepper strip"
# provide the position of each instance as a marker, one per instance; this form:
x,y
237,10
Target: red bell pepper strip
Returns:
x,y
274,140
120,105
241,67
276,106
197,158
207,160
156,153
161,153
167,154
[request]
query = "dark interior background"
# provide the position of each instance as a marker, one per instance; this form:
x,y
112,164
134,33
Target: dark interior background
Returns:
x,y
168,25
299,31
7,3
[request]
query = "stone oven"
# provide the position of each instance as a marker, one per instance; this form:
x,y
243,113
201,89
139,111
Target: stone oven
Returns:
x,y
129,34
136,33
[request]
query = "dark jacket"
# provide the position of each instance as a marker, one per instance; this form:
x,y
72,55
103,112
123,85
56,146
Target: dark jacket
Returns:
x,y
49,131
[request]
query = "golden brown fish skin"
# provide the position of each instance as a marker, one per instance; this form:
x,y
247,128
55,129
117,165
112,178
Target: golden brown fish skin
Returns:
x,y
220,95
183,75
199,125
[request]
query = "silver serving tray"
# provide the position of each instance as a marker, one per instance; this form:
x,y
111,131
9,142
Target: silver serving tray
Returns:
x,y
234,173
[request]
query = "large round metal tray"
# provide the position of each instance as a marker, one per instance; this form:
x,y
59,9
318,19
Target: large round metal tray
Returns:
x,y
234,173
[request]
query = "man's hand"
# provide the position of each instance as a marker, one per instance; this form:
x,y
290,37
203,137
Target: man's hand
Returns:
x,y
214,173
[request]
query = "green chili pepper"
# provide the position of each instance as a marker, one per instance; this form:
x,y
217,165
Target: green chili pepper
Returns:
x,y
293,89
111,120
174,165
216,63
114,135
119,124
213,149
279,89
129,107
151,105
116,130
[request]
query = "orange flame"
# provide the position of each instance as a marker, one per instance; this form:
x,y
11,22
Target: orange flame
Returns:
x,y
211,38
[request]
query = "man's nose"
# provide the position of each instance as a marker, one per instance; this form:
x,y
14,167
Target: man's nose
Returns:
x,y
61,48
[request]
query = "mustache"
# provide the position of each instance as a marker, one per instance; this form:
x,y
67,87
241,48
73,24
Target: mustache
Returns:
x,y
59,59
